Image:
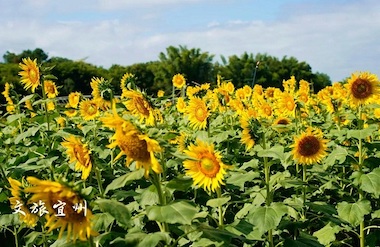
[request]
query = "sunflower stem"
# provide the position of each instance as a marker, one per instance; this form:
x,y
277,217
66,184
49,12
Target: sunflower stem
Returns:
x,y
99,180
15,235
46,105
360,165
161,197
268,199
304,190
220,208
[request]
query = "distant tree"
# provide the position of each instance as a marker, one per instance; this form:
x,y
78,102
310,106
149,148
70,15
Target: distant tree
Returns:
x,y
270,71
38,53
195,65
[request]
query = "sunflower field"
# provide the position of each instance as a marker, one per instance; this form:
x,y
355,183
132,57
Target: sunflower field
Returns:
x,y
203,166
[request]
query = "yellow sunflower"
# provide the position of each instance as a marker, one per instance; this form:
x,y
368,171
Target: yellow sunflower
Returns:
x,y
179,81
78,153
198,113
139,106
89,109
73,99
181,105
19,205
362,88
280,123
66,209
136,146
205,166
249,133
50,89
71,112
10,105
30,74
309,147
160,93
286,104
102,92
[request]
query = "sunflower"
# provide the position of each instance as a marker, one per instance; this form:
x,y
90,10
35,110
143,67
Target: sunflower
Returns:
x,y
249,134
78,153
309,147
66,209
135,146
280,123
102,92
73,100
181,105
71,112
89,109
30,74
205,166
50,89
160,93
10,105
139,106
179,81
362,88
198,113
19,204
286,104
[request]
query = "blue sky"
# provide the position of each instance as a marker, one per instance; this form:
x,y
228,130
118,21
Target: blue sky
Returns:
x,y
336,37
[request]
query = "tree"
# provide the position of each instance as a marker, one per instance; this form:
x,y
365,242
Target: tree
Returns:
x,y
195,65
38,53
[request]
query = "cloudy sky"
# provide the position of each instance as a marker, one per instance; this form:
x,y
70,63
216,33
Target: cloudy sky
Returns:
x,y
336,37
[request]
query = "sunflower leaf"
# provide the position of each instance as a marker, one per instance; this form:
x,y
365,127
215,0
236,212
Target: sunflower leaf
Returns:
x,y
267,217
326,235
180,212
124,180
117,209
276,152
217,202
353,213
370,182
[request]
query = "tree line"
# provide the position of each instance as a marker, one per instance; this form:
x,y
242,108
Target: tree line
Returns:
x,y
197,67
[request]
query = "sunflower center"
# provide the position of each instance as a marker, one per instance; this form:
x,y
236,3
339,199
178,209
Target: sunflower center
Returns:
x,y
140,106
80,155
361,88
66,209
33,75
135,148
308,146
200,114
209,167
283,122
92,109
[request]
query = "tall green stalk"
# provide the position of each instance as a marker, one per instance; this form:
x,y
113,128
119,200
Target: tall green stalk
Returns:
x,y
268,199
156,180
220,209
361,194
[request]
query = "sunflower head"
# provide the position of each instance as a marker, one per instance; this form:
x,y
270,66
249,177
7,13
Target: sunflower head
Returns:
x,y
198,113
30,74
89,109
66,208
362,88
50,89
73,100
78,153
205,166
179,81
309,147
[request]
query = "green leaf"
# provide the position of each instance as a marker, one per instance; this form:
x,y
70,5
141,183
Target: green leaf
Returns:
x,y
29,132
180,184
370,182
275,152
15,117
239,179
326,235
267,217
102,221
353,213
376,214
180,212
218,201
28,97
338,154
152,239
9,219
361,134
124,180
117,209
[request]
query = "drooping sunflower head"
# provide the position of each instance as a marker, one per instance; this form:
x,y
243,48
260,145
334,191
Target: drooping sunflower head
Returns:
x,y
30,74
198,113
137,147
197,91
362,88
127,81
309,147
89,109
51,90
67,210
205,166
280,123
140,107
19,203
250,130
179,81
79,153
181,105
